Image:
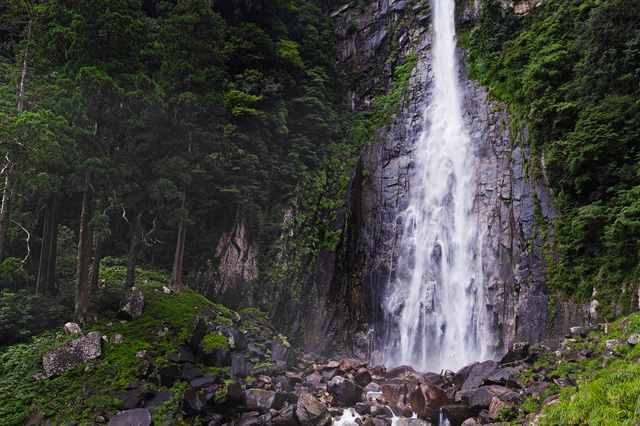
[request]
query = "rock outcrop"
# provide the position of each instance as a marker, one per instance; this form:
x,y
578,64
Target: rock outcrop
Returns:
x,y
65,357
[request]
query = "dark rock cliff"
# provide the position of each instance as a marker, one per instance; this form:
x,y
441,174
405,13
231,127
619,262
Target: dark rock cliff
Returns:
x,y
332,300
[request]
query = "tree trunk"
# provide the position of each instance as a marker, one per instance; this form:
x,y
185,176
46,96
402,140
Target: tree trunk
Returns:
x,y
84,256
50,286
5,209
95,268
47,266
5,213
176,274
136,242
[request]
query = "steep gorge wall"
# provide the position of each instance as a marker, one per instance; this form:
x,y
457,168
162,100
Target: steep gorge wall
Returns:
x,y
332,299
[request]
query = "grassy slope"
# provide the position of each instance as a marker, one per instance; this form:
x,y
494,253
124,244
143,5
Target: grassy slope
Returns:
x,y
79,395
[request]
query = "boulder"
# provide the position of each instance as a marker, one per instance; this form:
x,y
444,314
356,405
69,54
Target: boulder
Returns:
x,y
478,373
497,406
132,305
634,339
203,382
483,396
192,402
197,334
363,378
379,370
427,400
457,414
251,418
461,376
240,367
517,352
281,351
217,358
162,397
344,390
414,422
286,417
190,372
583,331
311,412
262,400
395,391
69,355
349,364
137,417
167,375
185,355
397,371
237,339
72,328
132,399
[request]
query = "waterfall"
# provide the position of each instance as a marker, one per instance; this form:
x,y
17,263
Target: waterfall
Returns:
x,y
434,304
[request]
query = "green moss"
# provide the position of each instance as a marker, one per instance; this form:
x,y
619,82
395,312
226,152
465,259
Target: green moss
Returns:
x,y
214,341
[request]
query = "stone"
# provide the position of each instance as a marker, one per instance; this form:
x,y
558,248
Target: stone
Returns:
x,y
185,355
251,419
217,358
117,338
262,400
237,339
483,396
344,390
414,422
240,367
197,334
280,351
427,399
132,305
457,414
132,398
583,331
634,339
461,375
311,412
363,378
72,328
517,352
160,398
395,391
286,417
293,378
190,372
397,371
69,355
168,374
478,373
137,417
203,382
192,403
210,314
498,405
35,418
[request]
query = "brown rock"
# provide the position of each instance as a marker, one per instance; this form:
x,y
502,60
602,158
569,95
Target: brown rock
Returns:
x,y
427,400
394,391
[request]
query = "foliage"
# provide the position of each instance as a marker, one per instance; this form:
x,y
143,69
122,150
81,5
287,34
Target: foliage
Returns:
x,y
570,69
214,341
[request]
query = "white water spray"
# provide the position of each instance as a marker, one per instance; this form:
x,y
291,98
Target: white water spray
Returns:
x,y
436,300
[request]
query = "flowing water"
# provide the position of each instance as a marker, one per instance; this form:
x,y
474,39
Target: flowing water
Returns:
x,y
435,302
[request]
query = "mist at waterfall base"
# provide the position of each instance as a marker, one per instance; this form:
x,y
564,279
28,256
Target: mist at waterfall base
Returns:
x,y
434,310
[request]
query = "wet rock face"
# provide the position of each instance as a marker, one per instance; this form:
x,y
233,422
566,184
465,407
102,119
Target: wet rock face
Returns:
x,y
67,356
512,205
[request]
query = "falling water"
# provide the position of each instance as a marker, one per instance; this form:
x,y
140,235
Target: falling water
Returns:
x,y
435,300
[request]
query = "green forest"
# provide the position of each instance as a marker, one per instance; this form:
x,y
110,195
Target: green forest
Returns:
x,y
133,133
570,70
